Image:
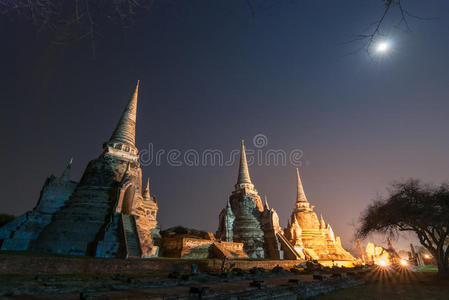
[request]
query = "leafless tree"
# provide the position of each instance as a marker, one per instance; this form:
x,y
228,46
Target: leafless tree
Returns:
x,y
72,20
400,15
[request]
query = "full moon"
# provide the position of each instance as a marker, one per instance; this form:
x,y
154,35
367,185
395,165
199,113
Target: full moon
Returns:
x,y
382,47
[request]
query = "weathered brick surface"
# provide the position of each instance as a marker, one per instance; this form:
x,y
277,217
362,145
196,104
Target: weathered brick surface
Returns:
x,y
312,238
20,232
39,264
96,220
246,220
200,248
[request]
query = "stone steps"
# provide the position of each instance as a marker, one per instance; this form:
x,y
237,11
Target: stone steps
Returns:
x,y
287,245
131,237
221,252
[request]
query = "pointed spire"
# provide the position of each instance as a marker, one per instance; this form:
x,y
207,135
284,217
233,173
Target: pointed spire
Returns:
x,y
66,174
146,192
322,223
331,232
125,132
267,207
300,195
243,167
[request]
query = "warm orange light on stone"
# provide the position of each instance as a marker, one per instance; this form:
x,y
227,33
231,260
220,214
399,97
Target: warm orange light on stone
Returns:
x,y
382,263
311,237
377,255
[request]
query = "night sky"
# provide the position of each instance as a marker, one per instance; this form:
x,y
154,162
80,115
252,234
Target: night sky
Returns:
x,y
212,74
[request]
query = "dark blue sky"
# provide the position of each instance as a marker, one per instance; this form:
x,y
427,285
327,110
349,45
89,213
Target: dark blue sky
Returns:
x,y
211,74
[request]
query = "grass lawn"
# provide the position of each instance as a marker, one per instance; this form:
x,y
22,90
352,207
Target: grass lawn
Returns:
x,y
428,269
383,284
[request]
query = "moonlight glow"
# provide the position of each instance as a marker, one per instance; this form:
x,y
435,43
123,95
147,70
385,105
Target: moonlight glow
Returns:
x,y
382,47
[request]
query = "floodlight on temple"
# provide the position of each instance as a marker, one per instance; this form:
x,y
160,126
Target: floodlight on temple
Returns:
x,y
382,263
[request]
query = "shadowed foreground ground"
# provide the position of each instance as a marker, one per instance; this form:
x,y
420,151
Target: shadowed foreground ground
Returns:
x,y
398,286
119,287
362,283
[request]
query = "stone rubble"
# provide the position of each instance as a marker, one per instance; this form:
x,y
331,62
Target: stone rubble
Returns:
x,y
265,285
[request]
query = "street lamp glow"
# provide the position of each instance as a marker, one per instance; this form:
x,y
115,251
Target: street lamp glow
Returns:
x,y
382,47
404,263
382,263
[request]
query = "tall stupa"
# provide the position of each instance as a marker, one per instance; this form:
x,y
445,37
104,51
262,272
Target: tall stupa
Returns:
x,y
311,237
246,220
106,214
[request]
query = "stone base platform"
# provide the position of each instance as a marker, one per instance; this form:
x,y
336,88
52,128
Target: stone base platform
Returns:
x,y
42,264
339,263
38,276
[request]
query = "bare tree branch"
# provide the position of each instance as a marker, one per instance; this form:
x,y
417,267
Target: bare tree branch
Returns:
x,y
389,7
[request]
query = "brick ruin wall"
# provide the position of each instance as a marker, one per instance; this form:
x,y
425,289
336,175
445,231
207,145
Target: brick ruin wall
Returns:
x,y
197,248
43,264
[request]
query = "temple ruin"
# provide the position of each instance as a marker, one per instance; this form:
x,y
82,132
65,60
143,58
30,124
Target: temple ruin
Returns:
x,y
312,238
246,220
20,232
109,213
106,214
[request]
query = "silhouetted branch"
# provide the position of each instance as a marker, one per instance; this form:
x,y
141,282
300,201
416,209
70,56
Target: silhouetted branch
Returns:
x,y
389,7
71,20
251,7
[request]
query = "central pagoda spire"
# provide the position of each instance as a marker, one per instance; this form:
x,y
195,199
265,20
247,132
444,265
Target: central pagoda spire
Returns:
x,y
125,132
300,195
146,192
243,167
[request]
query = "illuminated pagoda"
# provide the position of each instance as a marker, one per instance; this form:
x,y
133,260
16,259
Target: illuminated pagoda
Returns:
x,y
246,220
312,238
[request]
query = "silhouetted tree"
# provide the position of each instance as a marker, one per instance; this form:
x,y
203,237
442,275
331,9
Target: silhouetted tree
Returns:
x,y
413,206
5,218
73,20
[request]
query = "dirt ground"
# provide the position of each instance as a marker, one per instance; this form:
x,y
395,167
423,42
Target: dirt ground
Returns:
x,y
162,292
397,286
379,284
122,290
